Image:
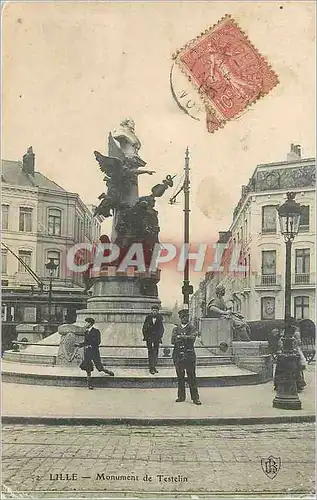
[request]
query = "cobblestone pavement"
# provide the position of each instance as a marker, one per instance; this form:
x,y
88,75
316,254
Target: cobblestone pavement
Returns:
x,y
214,459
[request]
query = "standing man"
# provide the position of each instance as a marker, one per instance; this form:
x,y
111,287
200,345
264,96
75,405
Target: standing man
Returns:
x,y
184,357
91,352
153,330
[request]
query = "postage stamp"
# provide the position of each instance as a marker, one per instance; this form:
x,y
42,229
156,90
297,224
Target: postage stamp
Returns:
x,y
227,70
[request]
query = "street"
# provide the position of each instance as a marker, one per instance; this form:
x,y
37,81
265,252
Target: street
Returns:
x,y
163,459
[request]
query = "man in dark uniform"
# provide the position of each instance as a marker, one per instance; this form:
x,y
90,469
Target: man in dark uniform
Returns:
x,y
184,357
91,352
153,330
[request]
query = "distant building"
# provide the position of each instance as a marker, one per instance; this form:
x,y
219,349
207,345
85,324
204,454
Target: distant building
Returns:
x,y
258,292
41,221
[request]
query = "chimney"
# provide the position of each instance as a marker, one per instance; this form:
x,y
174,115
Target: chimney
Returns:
x,y
29,162
295,153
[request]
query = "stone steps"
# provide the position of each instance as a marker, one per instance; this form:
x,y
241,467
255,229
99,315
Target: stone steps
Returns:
x,y
50,360
212,376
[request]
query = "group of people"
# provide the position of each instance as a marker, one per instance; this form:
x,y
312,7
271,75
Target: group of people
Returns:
x,y
184,357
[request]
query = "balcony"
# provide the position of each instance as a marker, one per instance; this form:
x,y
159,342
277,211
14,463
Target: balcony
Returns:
x,y
268,281
304,279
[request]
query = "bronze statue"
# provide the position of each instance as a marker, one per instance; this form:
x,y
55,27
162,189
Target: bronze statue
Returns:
x,y
121,174
135,218
216,307
159,189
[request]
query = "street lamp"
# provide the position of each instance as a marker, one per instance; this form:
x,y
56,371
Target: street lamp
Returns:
x,y
286,365
51,267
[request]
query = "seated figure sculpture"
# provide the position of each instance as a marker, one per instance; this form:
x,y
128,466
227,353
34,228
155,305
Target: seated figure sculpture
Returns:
x,y
217,308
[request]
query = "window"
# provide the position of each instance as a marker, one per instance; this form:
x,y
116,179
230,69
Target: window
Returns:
x,y
268,308
4,262
301,307
25,221
236,304
269,219
78,229
54,221
268,267
304,219
302,262
89,230
268,262
302,266
26,256
81,230
245,263
5,216
56,257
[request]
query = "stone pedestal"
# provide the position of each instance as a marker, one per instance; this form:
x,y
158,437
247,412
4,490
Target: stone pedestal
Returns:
x,y
29,333
119,309
214,331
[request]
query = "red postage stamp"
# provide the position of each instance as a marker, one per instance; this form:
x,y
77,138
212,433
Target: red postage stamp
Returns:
x,y
227,70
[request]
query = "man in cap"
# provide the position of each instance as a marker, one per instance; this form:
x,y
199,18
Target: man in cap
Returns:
x,y
153,330
91,352
184,357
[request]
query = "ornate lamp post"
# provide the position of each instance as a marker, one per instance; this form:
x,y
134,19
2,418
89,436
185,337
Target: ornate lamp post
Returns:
x,y
51,267
286,366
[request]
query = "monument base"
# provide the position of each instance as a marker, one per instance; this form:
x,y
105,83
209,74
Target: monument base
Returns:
x,y
215,331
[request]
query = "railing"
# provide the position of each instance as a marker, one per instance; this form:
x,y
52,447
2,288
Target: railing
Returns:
x,y
303,279
224,348
224,344
268,280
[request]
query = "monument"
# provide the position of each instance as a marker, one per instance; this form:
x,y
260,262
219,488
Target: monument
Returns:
x,y
121,296
120,299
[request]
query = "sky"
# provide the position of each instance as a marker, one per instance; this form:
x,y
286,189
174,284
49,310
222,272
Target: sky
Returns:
x,y
73,70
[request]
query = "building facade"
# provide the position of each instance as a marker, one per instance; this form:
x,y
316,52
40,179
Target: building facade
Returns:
x,y
257,289
41,221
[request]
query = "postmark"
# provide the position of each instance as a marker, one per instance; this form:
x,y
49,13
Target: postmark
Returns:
x,y
227,70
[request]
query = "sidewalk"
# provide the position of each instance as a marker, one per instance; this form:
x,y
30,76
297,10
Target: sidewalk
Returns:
x,y
242,404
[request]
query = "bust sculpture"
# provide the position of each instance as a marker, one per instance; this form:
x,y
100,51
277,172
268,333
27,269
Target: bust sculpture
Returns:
x,y
125,135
